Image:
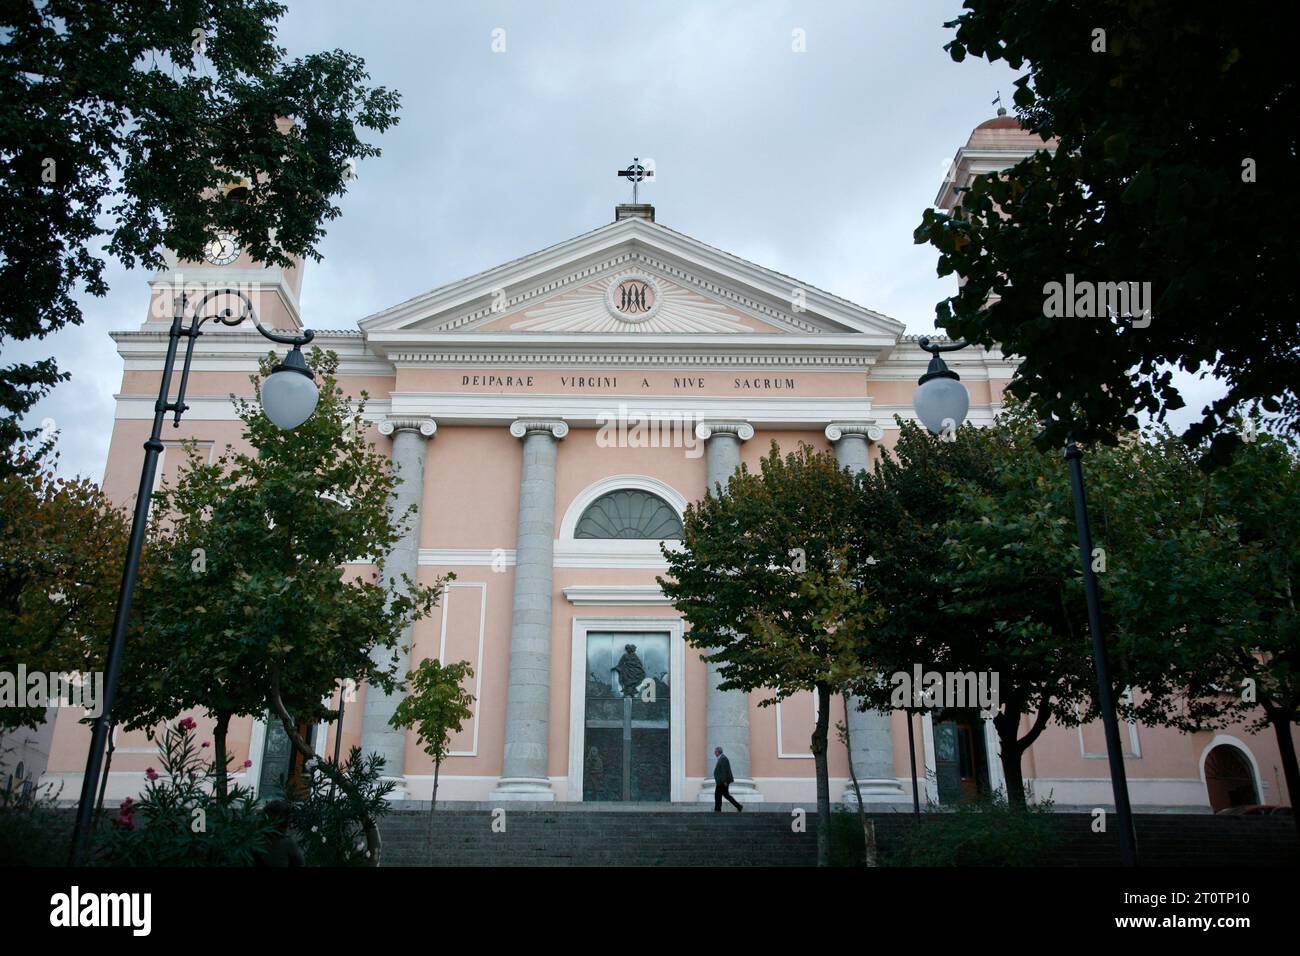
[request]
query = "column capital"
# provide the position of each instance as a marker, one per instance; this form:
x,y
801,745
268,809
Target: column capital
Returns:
x,y
422,424
522,426
867,429
743,431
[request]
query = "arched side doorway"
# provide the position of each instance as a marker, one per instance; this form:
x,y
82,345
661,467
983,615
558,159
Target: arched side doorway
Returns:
x,y
1229,778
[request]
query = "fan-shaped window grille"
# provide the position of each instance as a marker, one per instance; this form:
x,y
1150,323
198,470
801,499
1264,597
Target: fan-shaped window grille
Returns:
x,y
629,513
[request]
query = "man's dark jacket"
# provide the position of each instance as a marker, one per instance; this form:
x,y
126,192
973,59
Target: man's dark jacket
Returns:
x,y
722,771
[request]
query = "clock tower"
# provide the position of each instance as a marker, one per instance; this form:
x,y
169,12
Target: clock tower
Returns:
x,y
273,290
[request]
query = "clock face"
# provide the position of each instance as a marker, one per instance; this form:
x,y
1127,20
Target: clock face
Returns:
x,y
222,250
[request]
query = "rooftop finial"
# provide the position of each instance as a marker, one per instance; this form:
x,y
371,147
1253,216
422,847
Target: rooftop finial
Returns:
x,y
1002,110
637,172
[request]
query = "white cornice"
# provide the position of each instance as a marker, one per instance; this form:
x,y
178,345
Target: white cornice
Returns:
x,y
908,360
595,410
271,278
215,408
239,349
695,350
977,161
981,415
612,595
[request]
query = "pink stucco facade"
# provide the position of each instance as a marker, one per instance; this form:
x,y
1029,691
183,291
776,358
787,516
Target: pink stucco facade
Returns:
x,y
542,338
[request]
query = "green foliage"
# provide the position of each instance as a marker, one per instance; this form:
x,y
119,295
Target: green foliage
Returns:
x,y
181,819
989,833
848,842
1207,610
771,582
248,572
118,126
329,821
977,565
435,704
768,581
1146,184
33,830
61,550
1196,572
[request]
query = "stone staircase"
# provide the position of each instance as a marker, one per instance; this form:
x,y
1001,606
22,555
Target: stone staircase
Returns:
x,y
683,834
620,835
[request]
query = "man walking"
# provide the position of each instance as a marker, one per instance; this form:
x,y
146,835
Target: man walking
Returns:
x,y
722,781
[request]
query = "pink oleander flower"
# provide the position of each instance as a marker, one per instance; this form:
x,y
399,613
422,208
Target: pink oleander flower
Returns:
x,y
151,773
187,724
125,819
207,743
247,764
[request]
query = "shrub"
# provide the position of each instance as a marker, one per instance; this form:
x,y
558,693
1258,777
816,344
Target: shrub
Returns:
x,y
180,820
33,832
988,833
848,843
328,821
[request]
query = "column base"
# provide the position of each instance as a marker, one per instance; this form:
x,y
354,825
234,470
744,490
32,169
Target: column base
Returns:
x,y
877,790
536,789
744,790
399,791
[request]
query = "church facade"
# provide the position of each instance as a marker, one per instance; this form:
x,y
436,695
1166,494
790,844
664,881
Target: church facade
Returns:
x,y
550,419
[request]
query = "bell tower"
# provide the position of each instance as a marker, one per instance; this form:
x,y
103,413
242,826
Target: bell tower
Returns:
x,y
273,290
994,145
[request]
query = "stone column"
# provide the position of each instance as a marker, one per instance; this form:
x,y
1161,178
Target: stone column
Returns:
x,y
727,711
410,442
870,737
524,773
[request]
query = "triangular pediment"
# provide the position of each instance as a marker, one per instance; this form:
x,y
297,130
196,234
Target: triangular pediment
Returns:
x,y
632,277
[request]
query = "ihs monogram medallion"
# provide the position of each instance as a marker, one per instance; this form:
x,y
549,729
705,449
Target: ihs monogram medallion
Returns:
x,y
633,297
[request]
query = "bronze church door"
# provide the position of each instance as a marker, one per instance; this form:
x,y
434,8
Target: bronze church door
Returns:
x,y
960,760
627,748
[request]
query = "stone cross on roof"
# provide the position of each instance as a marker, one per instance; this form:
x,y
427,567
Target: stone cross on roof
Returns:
x,y
636,173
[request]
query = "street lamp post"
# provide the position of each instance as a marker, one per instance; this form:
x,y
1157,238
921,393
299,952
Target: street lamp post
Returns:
x,y
941,403
289,397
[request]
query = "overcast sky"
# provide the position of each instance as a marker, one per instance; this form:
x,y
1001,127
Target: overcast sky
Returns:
x,y
816,164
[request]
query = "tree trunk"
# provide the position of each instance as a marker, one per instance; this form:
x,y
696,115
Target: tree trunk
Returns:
x,y
868,829
1010,758
1286,748
103,782
368,826
1007,724
433,802
823,775
219,758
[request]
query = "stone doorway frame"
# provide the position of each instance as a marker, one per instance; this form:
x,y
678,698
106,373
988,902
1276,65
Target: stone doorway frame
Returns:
x,y
674,628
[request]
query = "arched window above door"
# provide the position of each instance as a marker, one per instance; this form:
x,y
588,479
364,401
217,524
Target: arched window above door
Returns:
x,y
629,513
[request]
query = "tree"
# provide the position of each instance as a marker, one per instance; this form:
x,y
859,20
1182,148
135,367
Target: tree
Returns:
x,y
845,736
436,704
976,565
61,547
1175,165
768,581
1208,617
249,605
124,121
